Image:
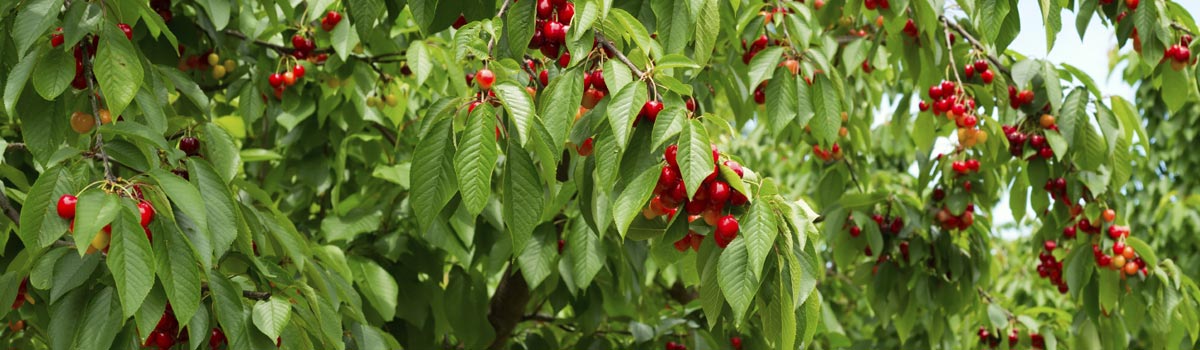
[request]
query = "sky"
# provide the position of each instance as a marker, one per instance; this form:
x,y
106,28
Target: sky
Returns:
x,y
1089,54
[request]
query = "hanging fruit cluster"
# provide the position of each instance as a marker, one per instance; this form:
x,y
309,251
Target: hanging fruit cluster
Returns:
x,y
594,88
166,333
1036,139
713,201
1050,267
550,29
981,66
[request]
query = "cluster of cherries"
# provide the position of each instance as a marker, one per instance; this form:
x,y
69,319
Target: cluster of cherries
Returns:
x,y
709,202
66,210
280,81
550,29
671,345
166,333
80,80
980,66
948,99
834,153
207,60
992,340
1018,139
163,8
754,48
910,28
947,220
594,87
1124,258
1016,99
1050,267
331,20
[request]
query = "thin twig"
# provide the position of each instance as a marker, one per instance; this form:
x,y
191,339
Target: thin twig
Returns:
x,y
93,95
388,134
9,210
853,176
974,42
609,47
499,14
245,293
1180,27
283,50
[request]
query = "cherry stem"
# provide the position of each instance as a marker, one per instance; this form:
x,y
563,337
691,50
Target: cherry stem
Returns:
x,y
93,95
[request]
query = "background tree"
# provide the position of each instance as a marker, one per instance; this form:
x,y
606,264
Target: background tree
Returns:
x,y
592,174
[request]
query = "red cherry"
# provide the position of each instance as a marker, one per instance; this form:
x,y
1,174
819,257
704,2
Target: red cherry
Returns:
x,y
736,342
1118,248
923,106
1025,96
126,29
275,79
726,231
948,88
298,42
760,97
987,76
973,164
565,59
289,78
935,91
544,78
189,145
66,206
669,155
566,13
959,167
554,32
298,71
544,9
1049,245
720,192
855,231
485,78
650,110
147,212
56,40
969,71
1131,4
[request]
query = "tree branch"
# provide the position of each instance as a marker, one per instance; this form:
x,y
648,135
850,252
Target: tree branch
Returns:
x,y
499,14
974,42
507,306
609,47
248,294
1180,27
94,96
9,210
387,134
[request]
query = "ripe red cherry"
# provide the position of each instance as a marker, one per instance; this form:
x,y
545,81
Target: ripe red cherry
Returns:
x,y
667,178
959,167
855,231
948,88
726,231
969,70
720,192
690,103
585,149
485,78
973,164
554,32
126,29
981,65
669,155
544,78
760,97
1025,96
1131,4
1049,245
289,78
935,91
566,13
56,40
189,145
987,76
1118,248
650,110
544,9
147,212
275,79
216,338
736,342
924,106
66,206
298,71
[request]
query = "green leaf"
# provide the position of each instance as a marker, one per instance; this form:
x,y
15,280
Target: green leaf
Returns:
x,y
675,24
32,21
131,261
694,156
669,123
623,111
118,69
707,31
102,317
1130,121
783,107
40,223
1110,287
1143,250
94,210
218,203
177,269
736,275
476,159
185,85
560,103
15,82
344,40
422,11
185,196
675,61
1176,89
220,149
759,230
271,315
711,299
519,105
997,316
1057,143
227,307
524,196
537,259
1053,88
1079,270
53,73
1023,72
377,286
635,196
519,26
420,60
991,18
433,161
827,105
585,252
1092,151
763,65
70,272
1052,21
218,12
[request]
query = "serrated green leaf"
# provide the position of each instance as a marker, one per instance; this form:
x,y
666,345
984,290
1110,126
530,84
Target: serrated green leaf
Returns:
x,y
559,104
585,252
130,260
118,69
694,156
736,277
476,159
827,107
434,182
272,315
32,21
40,223
70,272
177,268
764,65
623,111
783,107
103,317
519,106
15,82
635,196
759,229
53,73
707,32
377,286
537,259
94,210
524,196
